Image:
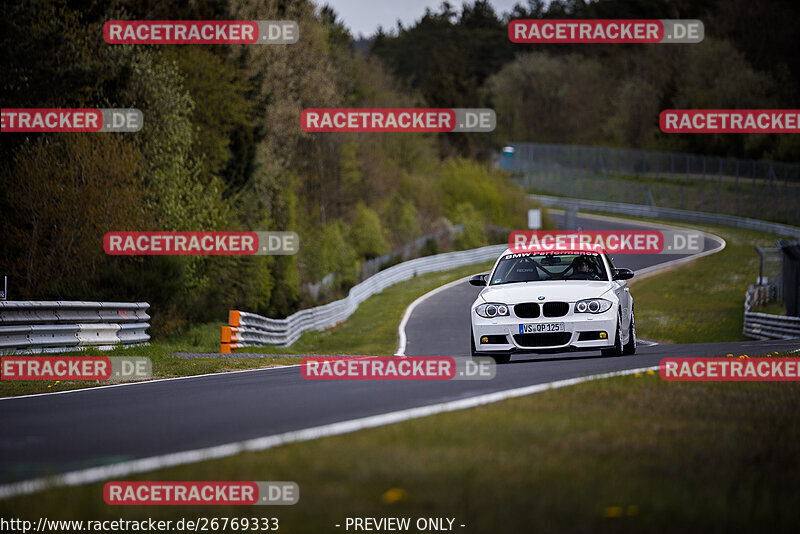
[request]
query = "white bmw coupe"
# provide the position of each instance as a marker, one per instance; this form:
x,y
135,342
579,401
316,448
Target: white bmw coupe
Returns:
x,y
553,302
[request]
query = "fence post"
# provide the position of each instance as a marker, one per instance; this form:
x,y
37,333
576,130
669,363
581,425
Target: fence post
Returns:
x,y
719,186
658,165
630,162
702,194
738,195
758,192
786,190
704,170
687,167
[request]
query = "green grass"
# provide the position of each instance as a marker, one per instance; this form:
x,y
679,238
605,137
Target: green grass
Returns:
x,y
371,330
773,308
630,454
703,301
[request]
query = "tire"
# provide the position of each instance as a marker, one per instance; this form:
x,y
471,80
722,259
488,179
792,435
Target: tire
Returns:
x,y
616,350
630,347
498,358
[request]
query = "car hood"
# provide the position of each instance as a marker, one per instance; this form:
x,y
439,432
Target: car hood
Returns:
x,y
567,291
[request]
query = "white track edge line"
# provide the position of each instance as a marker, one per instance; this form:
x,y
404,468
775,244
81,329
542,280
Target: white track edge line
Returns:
x,y
143,465
144,382
401,330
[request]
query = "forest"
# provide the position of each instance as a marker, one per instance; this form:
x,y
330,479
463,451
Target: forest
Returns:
x,y
222,147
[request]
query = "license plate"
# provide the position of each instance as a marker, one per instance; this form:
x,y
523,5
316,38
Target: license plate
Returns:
x,y
541,327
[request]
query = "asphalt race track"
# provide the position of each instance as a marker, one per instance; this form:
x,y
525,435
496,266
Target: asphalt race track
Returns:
x,y
56,433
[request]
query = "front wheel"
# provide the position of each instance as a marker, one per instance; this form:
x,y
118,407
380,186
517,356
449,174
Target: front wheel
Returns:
x,y
630,347
617,349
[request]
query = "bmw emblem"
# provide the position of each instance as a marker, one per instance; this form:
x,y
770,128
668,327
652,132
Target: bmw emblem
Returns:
x,y
541,298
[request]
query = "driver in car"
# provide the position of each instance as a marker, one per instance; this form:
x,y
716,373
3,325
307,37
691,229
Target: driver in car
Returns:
x,y
581,269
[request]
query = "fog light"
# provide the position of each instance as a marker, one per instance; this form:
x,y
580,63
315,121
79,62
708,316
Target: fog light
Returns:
x,y
603,335
484,339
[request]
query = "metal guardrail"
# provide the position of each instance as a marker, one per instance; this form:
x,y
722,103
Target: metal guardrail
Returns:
x,y
52,326
767,325
248,329
639,210
406,252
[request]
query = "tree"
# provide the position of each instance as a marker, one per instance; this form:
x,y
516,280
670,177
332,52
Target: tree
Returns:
x,y
367,233
68,191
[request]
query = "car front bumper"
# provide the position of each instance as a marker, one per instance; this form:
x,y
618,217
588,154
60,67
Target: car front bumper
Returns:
x,y
504,335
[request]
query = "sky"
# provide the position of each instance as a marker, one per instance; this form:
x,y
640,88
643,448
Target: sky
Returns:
x,y
364,16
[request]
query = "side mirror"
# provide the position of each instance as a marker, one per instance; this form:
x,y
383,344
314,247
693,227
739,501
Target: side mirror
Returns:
x,y
478,280
623,274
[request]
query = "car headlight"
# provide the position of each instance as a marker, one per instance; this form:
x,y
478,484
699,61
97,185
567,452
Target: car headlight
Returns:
x,y
491,310
592,306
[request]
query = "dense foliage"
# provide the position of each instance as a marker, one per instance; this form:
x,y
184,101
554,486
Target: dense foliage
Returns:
x,y
605,94
222,149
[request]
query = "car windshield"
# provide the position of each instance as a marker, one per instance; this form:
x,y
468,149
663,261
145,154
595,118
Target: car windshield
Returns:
x,y
532,267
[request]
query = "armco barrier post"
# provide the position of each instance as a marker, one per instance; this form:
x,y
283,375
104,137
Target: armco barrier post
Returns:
x,y
791,277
